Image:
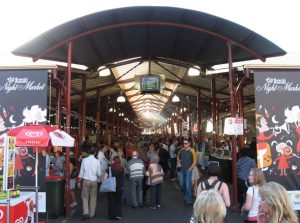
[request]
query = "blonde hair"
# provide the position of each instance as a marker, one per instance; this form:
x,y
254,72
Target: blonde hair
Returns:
x,y
259,177
277,198
209,207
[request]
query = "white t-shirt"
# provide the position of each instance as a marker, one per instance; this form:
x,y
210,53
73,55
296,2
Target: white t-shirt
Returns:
x,y
103,161
253,212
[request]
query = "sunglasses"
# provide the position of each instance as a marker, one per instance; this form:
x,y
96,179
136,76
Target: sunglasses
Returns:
x,y
185,143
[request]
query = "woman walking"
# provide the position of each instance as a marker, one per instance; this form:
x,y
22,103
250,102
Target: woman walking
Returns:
x,y
114,199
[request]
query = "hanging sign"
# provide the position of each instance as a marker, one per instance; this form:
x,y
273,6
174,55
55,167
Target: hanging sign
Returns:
x,y
234,126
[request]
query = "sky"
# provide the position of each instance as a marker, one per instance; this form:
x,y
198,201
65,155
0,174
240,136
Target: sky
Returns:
x,y
20,21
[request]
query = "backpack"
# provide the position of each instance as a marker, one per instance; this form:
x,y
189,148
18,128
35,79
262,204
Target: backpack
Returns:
x,y
212,186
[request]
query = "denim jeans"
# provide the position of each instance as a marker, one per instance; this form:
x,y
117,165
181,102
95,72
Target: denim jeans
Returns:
x,y
186,185
136,185
155,194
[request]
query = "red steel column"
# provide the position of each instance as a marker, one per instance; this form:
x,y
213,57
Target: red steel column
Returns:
x,y
98,116
68,125
241,114
107,121
58,107
83,108
214,111
199,134
233,114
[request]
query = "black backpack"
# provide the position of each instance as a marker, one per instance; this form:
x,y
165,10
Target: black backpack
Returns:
x,y
208,186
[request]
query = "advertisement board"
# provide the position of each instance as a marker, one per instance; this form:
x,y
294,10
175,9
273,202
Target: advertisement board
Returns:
x,y
278,127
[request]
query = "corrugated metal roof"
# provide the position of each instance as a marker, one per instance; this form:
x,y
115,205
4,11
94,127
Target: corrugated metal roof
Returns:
x,y
137,41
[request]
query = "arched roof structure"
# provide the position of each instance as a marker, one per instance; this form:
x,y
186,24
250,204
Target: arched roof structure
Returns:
x,y
149,40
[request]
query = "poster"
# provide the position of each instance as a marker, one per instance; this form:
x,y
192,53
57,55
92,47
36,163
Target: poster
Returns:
x,y
234,126
278,127
2,156
23,100
7,163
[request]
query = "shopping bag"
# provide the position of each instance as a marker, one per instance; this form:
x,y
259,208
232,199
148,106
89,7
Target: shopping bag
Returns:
x,y
109,184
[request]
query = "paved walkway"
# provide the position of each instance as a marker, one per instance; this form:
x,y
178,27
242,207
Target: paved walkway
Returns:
x,y
172,210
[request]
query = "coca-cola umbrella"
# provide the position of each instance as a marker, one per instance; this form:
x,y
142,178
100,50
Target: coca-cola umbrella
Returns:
x,y
38,136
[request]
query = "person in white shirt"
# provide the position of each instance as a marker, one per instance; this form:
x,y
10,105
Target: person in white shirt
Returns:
x,y
256,179
103,161
47,162
89,173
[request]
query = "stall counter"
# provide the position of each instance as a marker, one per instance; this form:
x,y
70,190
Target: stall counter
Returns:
x,y
21,209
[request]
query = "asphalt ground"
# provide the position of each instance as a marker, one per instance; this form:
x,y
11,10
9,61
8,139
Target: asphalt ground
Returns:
x,y
172,209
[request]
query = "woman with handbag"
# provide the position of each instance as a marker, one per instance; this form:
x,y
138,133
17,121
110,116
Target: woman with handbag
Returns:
x,y
250,208
114,199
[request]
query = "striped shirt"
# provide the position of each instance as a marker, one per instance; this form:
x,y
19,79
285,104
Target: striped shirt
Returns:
x,y
136,168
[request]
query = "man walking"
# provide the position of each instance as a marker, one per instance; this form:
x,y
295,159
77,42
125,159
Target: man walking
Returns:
x,y
187,159
89,173
136,172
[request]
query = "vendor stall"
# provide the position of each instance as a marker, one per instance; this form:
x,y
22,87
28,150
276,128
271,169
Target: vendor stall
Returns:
x,y
21,209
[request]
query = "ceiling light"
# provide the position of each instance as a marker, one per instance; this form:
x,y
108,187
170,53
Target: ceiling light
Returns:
x,y
194,71
121,99
103,71
175,98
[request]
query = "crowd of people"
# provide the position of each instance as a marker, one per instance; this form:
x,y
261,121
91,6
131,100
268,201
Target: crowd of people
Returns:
x,y
148,162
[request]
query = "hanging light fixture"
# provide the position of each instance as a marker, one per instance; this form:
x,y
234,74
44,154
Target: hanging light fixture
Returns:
x,y
194,71
175,98
121,99
103,71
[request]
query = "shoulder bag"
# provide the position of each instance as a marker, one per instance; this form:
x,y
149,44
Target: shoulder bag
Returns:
x,y
109,184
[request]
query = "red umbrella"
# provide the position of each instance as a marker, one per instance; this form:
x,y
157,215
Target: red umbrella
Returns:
x,y
40,135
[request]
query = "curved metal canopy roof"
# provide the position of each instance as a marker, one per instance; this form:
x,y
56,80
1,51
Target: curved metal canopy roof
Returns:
x,y
162,40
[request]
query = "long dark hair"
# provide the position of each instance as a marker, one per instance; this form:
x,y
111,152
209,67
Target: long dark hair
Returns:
x,y
117,164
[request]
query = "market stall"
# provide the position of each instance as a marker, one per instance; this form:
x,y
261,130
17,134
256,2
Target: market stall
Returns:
x,y
36,136
19,209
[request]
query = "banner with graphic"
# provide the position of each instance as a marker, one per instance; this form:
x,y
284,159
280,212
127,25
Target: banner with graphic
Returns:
x,y
277,99
23,100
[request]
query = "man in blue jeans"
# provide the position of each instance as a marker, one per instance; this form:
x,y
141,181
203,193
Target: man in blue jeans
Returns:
x,y
187,159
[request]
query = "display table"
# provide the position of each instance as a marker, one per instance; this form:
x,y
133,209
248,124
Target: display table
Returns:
x,y
21,209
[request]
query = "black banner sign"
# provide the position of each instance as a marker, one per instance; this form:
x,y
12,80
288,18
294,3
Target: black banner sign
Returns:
x,y
23,100
277,98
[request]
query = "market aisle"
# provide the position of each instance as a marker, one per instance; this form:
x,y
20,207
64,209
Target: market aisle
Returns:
x,y
172,210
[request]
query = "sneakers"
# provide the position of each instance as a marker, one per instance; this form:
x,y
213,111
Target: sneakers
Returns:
x,y
153,207
158,206
74,204
118,218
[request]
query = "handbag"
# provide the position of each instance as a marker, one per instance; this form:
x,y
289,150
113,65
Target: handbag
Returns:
x,y
74,174
109,184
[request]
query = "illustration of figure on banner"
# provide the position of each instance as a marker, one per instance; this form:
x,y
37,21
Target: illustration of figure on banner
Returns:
x,y
293,117
18,161
264,156
24,158
285,152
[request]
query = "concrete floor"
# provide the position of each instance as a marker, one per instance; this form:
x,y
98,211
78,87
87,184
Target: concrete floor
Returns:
x,y
172,210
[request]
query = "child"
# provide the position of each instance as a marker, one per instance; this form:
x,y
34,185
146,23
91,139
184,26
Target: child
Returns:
x,y
155,175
